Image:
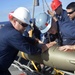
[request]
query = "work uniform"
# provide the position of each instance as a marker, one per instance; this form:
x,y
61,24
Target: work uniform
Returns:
x,y
68,33
11,41
46,37
66,29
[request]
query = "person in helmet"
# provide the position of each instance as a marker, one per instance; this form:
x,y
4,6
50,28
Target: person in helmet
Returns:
x,y
12,40
63,22
57,10
65,25
43,23
71,13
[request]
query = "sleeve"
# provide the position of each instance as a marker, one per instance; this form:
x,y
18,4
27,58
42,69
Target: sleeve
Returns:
x,y
23,44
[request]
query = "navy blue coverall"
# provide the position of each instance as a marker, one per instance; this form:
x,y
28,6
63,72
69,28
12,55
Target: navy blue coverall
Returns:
x,y
11,41
66,29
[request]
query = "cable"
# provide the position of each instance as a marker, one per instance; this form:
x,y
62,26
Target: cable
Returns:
x,y
47,5
43,5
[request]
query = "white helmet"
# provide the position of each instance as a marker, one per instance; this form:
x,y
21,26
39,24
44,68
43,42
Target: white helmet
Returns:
x,y
22,14
43,22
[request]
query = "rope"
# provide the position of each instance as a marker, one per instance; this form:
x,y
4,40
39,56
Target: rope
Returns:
x,y
43,5
47,5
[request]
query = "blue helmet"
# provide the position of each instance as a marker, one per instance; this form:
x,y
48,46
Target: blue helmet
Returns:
x,y
43,22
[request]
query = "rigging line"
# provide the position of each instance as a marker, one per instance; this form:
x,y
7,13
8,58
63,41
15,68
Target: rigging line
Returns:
x,y
43,5
47,5
33,10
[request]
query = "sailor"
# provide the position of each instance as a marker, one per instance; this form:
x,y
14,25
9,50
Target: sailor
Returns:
x,y
71,13
43,23
62,21
65,28
12,40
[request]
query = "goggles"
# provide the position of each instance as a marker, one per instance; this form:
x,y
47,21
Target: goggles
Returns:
x,y
71,12
23,24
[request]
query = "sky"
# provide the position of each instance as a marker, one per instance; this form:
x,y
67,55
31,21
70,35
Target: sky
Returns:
x,y
6,6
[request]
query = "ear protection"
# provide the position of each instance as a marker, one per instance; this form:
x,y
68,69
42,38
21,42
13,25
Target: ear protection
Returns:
x,y
10,16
